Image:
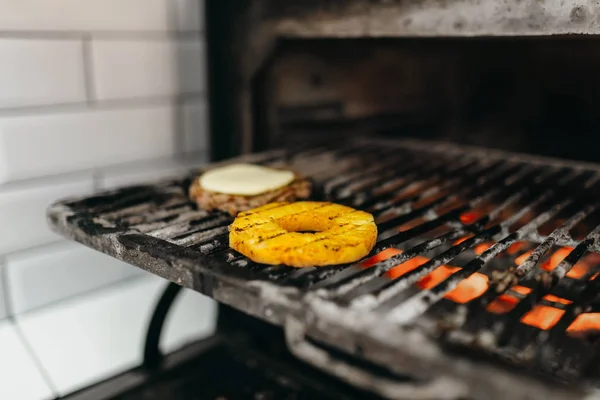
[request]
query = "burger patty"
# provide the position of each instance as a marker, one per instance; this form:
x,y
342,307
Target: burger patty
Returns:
x,y
299,188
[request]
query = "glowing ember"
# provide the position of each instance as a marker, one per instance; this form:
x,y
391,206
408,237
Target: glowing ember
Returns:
x,y
398,270
543,317
469,217
468,289
521,259
585,322
506,302
559,255
578,271
515,247
462,239
384,255
521,289
503,304
540,316
480,248
556,299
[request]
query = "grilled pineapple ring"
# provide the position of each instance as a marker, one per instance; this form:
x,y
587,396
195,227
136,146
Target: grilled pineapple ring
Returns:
x,y
272,234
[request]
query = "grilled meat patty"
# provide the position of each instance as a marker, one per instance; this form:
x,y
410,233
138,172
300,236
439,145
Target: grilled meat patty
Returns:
x,y
299,188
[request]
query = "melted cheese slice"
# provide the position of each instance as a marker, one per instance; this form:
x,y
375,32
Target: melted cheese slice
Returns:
x,y
245,179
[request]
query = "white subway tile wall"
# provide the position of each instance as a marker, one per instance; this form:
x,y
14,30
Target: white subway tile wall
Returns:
x,y
152,68
23,210
84,16
60,81
147,172
59,271
93,95
39,145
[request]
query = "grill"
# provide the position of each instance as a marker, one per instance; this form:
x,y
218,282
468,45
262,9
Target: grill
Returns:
x,y
483,282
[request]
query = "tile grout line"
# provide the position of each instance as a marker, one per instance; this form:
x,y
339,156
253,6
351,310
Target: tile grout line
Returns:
x,y
117,35
13,321
48,245
97,180
96,172
34,357
119,284
180,138
171,21
4,295
88,70
104,105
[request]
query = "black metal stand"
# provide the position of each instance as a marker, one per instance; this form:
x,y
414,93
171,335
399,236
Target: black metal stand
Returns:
x,y
152,353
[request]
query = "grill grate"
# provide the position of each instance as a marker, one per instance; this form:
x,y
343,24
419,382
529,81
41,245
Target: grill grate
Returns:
x,y
490,252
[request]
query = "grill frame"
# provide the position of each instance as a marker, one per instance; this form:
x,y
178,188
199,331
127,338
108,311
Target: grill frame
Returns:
x,y
311,312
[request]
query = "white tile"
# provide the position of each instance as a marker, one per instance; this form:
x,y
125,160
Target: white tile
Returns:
x,y
188,14
195,126
58,271
88,15
39,145
36,72
20,380
23,212
138,68
151,171
87,339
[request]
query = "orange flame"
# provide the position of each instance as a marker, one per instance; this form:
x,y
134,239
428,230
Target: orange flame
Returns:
x,y
468,289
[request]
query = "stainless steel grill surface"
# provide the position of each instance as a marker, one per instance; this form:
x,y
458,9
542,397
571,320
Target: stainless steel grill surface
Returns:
x,y
484,283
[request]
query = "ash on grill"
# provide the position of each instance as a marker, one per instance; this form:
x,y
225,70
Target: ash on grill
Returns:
x,y
480,253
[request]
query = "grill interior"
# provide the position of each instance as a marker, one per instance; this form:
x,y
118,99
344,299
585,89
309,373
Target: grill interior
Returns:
x,y
481,255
